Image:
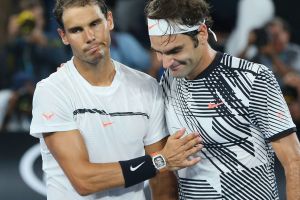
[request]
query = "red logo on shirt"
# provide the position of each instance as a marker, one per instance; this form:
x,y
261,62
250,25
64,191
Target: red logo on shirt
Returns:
x,y
214,105
280,115
48,116
151,26
106,124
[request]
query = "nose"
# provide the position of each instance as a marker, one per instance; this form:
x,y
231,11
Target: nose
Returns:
x,y
166,60
89,35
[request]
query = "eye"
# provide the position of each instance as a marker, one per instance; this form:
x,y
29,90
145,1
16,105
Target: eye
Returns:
x,y
75,30
95,23
174,51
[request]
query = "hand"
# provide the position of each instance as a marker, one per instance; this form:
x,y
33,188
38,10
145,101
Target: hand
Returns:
x,y
178,149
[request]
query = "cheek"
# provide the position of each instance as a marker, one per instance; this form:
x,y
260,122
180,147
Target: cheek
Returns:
x,y
183,56
75,39
104,38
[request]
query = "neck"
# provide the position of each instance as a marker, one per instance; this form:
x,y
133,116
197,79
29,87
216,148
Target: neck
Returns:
x,y
100,74
207,57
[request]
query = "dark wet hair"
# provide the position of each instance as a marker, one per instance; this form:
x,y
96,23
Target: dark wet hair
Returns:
x,y
184,12
61,5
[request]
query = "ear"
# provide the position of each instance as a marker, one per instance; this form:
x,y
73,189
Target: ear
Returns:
x,y
110,21
63,36
203,33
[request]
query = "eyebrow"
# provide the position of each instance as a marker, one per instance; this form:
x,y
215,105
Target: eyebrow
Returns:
x,y
171,51
99,20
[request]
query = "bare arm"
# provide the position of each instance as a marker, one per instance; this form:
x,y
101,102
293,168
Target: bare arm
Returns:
x,y
69,149
287,150
163,185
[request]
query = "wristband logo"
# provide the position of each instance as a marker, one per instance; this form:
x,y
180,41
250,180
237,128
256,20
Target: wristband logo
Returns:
x,y
135,168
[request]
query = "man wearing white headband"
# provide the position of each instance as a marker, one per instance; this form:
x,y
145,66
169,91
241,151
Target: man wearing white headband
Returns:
x,y
235,105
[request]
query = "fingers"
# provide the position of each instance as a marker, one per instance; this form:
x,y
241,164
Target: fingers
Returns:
x,y
191,141
178,134
193,150
179,149
192,162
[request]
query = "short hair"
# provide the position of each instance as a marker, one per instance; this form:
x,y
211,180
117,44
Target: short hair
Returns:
x,y
278,21
184,12
61,5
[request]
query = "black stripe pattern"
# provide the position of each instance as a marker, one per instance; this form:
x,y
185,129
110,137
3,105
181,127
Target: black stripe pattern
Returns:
x,y
103,112
236,106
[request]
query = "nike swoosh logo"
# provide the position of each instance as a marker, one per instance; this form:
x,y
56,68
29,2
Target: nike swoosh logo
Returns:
x,y
135,168
214,105
106,124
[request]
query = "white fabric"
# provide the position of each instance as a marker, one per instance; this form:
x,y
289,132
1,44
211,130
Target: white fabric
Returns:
x,y
113,121
159,27
252,14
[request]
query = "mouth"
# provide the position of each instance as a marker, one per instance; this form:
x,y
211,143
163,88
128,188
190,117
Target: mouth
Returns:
x,y
92,49
175,67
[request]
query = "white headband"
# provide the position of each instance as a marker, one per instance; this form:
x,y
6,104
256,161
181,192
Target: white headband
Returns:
x,y
160,27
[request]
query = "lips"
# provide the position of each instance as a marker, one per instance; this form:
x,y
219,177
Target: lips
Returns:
x,y
92,48
175,66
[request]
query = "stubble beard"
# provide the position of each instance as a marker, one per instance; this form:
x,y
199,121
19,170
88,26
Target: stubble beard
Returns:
x,y
94,60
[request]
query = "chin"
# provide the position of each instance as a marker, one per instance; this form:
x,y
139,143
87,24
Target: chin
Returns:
x,y
178,74
96,59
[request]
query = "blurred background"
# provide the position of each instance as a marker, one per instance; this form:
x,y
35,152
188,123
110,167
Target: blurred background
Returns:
x,y
264,31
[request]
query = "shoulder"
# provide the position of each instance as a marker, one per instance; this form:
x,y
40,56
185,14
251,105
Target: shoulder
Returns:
x,y
58,81
138,78
243,65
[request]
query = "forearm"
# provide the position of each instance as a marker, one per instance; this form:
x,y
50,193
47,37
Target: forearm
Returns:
x,y
92,178
164,186
70,152
89,178
293,181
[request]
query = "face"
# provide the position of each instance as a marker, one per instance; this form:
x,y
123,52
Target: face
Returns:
x,y
280,37
178,54
87,31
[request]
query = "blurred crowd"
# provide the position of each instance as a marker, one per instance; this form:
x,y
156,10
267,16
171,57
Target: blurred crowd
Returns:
x,y
32,49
